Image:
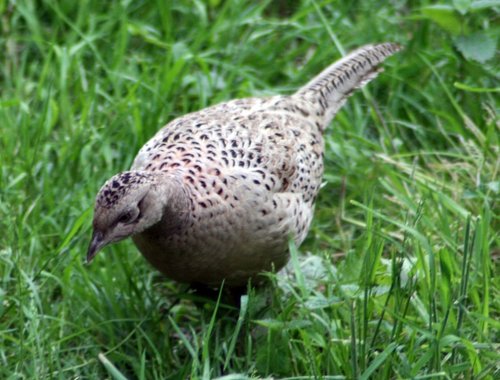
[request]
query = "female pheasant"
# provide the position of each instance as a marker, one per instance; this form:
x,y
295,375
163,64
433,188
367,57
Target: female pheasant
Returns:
x,y
216,195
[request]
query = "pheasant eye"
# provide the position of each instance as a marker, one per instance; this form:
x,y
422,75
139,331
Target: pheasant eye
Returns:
x,y
125,218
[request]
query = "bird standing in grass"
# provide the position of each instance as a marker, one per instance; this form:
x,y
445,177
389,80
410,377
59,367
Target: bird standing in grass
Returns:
x,y
216,195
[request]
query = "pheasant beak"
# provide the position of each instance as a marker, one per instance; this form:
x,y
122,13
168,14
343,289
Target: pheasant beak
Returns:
x,y
96,244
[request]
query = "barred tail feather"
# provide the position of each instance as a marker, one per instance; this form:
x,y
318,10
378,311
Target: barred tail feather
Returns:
x,y
328,91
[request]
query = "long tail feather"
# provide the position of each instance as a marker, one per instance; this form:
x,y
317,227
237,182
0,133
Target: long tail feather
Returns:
x,y
328,91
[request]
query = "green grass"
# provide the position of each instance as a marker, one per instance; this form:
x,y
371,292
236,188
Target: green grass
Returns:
x,y
406,231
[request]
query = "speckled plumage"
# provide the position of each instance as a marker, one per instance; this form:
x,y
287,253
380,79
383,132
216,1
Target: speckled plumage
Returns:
x,y
216,194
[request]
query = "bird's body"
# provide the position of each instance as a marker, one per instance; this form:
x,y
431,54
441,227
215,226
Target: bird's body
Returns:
x,y
217,194
250,174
